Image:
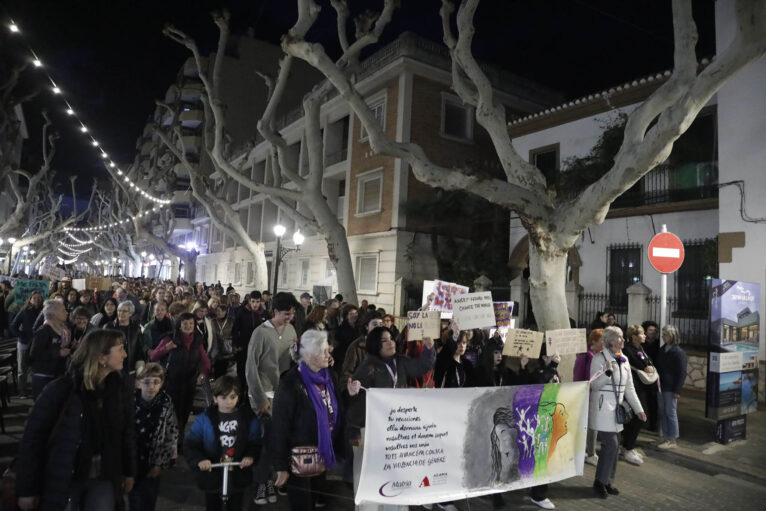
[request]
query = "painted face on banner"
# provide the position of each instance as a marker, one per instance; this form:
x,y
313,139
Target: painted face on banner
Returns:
x,y
560,417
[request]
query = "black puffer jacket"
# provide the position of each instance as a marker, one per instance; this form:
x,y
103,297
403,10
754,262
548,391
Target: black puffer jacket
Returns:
x,y
50,456
133,345
294,421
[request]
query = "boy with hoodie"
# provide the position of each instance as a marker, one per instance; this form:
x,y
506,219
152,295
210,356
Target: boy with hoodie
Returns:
x,y
223,432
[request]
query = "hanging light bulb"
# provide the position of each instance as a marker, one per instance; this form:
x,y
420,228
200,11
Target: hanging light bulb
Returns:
x,y
13,27
56,90
83,129
69,111
94,143
37,63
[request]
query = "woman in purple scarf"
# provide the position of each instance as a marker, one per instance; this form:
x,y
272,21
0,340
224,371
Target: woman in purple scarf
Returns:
x,y
306,412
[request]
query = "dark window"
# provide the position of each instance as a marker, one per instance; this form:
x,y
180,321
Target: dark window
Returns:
x,y
624,271
693,277
547,160
457,121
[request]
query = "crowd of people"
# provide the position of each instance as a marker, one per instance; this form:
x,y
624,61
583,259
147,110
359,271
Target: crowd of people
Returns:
x,y
114,374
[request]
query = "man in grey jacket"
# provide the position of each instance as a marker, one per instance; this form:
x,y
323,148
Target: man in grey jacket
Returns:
x,y
269,354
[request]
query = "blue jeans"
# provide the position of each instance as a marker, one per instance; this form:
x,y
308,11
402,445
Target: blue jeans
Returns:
x,y
668,406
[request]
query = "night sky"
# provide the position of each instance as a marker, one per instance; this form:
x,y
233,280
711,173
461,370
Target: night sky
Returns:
x,y
112,60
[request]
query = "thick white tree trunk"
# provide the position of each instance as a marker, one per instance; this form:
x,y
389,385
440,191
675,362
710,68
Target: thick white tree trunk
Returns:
x,y
337,246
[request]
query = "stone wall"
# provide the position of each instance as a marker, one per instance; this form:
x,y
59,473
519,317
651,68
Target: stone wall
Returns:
x,y
696,371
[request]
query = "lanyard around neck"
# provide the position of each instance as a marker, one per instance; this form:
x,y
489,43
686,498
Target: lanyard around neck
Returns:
x,y
394,374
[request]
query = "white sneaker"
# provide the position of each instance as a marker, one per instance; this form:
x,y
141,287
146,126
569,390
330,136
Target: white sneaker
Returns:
x,y
592,460
545,503
668,444
632,457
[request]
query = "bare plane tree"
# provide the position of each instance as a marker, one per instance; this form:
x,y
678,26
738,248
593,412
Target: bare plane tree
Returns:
x,y
283,192
553,223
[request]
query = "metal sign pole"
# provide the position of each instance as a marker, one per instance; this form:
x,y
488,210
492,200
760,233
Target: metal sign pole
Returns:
x,y
663,296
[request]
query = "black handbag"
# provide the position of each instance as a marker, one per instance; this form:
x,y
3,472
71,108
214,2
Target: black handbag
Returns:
x,y
623,412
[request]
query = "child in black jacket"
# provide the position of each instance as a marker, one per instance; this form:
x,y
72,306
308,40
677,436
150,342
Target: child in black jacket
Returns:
x,y
223,433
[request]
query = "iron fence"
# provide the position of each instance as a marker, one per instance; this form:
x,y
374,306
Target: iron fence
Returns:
x,y
693,326
593,303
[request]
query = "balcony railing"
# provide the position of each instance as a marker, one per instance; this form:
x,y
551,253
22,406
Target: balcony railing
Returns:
x,y
692,181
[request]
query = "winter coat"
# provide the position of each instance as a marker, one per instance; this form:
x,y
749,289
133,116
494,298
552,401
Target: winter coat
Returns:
x,y
638,359
50,453
671,364
44,352
372,373
203,443
153,333
294,421
244,325
581,370
133,346
603,403
355,355
183,363
156,432
344,336
23,323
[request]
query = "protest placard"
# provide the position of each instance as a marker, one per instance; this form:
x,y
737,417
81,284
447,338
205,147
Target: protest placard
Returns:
x,y
473,310
520,342
567,341
55,273
78,284
24,288
443,294
423,324
503,313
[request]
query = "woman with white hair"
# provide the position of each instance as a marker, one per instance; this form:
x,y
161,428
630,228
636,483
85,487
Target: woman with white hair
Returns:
x,y
671,366
51,345
132,332
611,385
306,412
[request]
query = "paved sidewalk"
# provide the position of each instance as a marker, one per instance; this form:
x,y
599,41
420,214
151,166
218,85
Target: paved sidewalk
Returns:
x,y
699,474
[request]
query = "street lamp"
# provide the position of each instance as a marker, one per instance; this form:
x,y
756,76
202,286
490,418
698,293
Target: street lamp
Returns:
x,y
281,252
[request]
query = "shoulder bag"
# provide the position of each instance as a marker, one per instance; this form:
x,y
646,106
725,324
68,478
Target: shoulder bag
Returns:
x,y
623,411
646,378
305,461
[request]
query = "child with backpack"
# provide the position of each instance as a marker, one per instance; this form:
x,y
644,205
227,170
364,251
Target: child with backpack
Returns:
x,y
223,432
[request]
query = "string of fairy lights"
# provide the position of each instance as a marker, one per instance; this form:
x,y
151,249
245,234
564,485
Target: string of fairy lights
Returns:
x,y
109,164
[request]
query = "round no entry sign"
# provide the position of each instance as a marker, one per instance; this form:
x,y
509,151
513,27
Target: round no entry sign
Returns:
x,y
666,252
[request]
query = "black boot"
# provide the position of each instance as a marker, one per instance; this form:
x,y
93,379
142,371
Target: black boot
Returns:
x,y
600,489
611,490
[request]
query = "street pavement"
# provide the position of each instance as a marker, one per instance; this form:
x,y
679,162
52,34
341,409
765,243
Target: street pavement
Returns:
x,y
698,475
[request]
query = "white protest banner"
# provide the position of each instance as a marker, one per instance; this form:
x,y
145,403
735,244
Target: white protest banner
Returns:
x,y
520,342
79,284
567,341
423,324
474,310
434,445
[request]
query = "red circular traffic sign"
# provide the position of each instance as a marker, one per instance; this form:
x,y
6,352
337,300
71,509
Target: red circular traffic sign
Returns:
x,y
666,252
